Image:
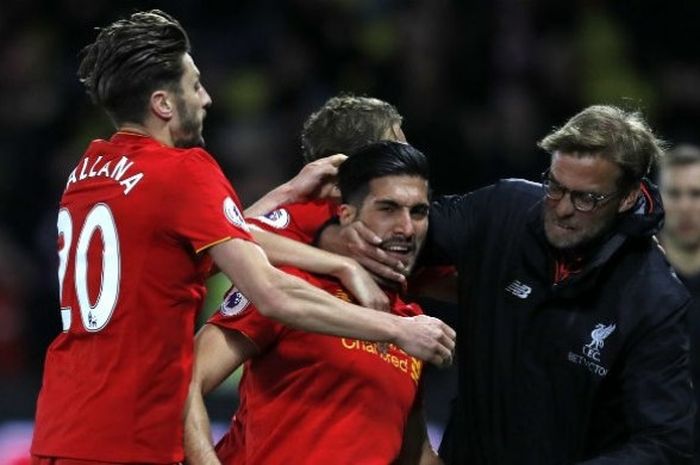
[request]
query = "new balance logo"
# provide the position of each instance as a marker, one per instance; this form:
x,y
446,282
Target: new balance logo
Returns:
x,y
518,289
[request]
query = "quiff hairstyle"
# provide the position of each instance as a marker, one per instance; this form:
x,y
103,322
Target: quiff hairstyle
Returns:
x,y
345,123
620,136
378,160
130,59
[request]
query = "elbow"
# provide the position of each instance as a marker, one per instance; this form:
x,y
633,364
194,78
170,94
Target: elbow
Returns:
x,y
272,304
278,301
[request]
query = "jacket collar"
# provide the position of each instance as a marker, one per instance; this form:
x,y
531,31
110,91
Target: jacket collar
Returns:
x,y
641,222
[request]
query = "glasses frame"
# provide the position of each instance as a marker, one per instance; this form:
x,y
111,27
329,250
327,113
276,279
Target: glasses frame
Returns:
x,y
576,197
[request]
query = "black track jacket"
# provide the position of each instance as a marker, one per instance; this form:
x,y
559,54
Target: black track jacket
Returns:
x,y
593,370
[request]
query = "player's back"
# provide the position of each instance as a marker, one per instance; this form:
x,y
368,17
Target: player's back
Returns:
x,y
131,282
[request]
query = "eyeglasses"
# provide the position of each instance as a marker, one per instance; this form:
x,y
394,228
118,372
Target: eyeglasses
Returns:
x,y
582,201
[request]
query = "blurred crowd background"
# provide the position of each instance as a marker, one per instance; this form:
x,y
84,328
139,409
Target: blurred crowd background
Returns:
x,y
478,83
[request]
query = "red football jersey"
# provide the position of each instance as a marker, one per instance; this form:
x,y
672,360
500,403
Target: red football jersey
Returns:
x,y
133,219
313,399
298,221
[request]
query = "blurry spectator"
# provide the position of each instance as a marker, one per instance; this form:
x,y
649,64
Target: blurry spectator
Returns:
x,y
16,271
680,189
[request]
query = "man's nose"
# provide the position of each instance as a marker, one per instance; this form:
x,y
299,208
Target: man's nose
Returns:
x,y
404,224
206,99
565,207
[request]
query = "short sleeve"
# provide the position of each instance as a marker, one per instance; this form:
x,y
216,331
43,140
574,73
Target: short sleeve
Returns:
x,y
298,221
206,209
237,313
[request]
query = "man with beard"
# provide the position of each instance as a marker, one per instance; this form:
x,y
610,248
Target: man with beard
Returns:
x,y
679,179
143,218
573,342
313,399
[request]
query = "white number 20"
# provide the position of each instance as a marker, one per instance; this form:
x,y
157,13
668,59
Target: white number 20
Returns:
x,y
94,317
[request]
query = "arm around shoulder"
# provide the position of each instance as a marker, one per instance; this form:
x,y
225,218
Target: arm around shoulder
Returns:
x,y
296,303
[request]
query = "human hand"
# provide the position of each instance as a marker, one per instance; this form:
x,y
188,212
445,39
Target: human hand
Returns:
x,y
427,338
362,286
316,180
363,245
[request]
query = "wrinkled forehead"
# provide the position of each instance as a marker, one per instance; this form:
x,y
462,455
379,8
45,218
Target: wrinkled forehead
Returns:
x,y
584,172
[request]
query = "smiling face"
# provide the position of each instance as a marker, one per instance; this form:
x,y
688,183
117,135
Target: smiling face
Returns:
x,y
191,103
568,228
396,209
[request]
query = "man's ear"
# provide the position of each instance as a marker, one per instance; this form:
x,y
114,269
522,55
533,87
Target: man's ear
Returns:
x,y
162,104
629,201
346,213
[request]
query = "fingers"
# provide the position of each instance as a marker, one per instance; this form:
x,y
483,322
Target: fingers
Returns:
x,y
327,166
429,339
449,336
362,244
362,285
335,160
377,302
445,349
329,190
442,360
382,271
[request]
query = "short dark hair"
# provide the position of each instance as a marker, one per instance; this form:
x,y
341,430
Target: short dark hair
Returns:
x,y
621,136
344,124
130,59
384,158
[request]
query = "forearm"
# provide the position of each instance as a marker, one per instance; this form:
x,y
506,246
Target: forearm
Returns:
x,y
416,448
284,251
295,303
281,195
199,447
315,180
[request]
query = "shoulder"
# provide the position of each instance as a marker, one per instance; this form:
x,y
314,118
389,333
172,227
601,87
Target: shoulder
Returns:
x,y
653,281
313,208
194,158
519,190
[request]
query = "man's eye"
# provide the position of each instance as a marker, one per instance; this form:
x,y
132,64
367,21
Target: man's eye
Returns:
x,y
554,187
420,212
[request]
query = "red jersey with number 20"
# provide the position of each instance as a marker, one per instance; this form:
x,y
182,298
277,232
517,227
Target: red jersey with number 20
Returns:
x,y
312,399
133,221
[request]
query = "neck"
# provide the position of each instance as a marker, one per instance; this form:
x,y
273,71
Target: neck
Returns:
x,y
389,286
158,132
686,260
